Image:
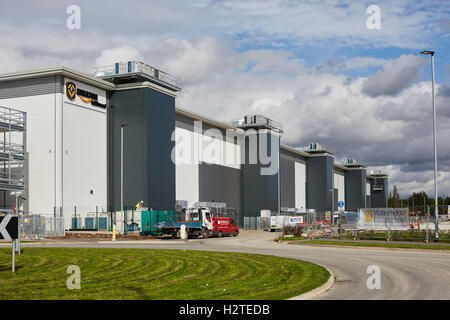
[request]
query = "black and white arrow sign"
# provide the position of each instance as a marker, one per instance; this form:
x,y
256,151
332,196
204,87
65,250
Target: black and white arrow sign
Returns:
x,y
9,227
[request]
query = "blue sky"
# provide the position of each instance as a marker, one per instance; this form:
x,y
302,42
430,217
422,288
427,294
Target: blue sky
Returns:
x,y
312,65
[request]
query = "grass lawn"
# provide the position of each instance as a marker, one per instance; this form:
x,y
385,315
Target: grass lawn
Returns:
x,y
155,274
371,244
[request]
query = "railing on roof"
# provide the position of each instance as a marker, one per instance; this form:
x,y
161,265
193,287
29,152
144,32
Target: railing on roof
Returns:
x,y
258,120
134,67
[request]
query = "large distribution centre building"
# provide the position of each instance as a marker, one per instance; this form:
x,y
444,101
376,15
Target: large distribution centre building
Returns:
x,y
117,138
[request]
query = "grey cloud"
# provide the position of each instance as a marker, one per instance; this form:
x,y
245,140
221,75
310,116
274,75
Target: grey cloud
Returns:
x,y
445,25
395,76
443,90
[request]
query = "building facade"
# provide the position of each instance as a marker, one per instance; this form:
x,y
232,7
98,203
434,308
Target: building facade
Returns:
x,y
111,140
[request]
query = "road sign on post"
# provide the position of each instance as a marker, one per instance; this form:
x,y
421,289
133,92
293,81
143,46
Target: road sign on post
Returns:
x,y
341,204
9,230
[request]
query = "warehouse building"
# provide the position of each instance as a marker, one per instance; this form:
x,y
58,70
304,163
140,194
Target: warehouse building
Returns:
x,y
116,138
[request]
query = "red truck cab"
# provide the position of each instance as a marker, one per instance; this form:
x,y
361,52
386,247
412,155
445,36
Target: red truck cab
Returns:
x,y
223,226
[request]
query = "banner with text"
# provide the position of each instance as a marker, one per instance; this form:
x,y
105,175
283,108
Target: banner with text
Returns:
x,y
383,218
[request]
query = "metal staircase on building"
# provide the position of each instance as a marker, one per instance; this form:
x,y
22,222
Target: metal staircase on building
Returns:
x,y
12,150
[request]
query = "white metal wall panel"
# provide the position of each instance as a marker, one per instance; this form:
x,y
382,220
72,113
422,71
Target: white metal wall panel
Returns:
x,y
41,133
84,154
339,183
192,148
367,189
186,167
300,185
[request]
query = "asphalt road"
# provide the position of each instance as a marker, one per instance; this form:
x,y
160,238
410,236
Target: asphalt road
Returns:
x,y
404,274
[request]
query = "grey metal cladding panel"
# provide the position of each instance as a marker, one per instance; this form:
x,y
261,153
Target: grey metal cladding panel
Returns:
x,y
287,182
127,108
319,177
284,154
160,116
188,124
220,184
379,198
355,189
184,122
31,87
368,201
258,192
336,199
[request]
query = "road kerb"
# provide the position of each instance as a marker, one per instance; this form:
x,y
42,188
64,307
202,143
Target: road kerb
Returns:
x,y
317,291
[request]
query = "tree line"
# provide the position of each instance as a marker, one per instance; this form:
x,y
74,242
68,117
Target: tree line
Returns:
x,y
417,202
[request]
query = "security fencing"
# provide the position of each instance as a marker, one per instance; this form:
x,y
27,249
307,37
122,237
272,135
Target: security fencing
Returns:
x,y
274,221
90,222
256,223
95,218
39,227
397,224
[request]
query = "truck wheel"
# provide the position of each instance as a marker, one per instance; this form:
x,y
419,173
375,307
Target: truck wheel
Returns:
x,y
235,234
205,234
219,235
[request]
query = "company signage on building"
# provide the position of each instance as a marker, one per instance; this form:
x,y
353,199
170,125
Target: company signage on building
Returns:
x,y
86,96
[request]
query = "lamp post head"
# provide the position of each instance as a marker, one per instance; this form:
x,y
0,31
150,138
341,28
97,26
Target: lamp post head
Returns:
x,y
427,52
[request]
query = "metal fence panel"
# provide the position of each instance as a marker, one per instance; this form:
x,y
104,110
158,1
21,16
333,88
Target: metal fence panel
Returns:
x,y
39,227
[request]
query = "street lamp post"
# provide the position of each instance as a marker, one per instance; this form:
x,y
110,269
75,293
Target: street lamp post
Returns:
x,y
436,212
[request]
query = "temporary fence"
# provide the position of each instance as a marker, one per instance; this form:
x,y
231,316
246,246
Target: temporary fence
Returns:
x,y
39,227
273,221
392,224
256,223
100,222
131,219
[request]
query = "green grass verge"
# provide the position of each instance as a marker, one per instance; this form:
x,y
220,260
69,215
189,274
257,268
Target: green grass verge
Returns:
x,y
371,244
397,235
155,274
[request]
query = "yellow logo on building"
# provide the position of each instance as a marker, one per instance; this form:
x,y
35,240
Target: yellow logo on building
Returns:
x,y
71,90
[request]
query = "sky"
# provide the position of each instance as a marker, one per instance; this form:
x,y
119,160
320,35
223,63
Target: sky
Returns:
x,y
314,66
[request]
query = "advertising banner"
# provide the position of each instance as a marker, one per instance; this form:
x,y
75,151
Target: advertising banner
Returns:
x,y
293,220
350,219
281,221
383,218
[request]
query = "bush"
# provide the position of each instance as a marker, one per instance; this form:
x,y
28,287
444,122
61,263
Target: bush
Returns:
x,y
296,231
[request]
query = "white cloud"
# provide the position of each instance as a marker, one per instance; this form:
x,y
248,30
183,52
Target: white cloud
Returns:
x,y
118,54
